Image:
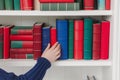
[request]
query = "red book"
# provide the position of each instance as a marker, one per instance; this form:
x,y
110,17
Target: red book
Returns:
x,y
21,37
88,4
107,4
21,32
78,39
56,1
6,43
96,41
21,51
105,31
26,4
37,41
21,56
53,36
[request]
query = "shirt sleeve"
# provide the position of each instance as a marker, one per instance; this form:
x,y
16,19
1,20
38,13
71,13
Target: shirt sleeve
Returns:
x,y
36,73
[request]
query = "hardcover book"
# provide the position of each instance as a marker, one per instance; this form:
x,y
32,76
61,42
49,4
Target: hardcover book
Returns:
x,y
37,41
105,28
1,42
62,37
88,38
2,4
96,41
107,4
101,4
16,4
21,44
71,38
26,4
56,1
53,36
88,4
37,5
78,39
9,5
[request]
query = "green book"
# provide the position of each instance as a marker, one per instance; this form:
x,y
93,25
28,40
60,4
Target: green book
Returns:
x,y
80,4
53,7
70,7
71,39
16,4
59,6
88,26
16,44
29,56
62,7
22,27
2,4
45,7
9,5
1,49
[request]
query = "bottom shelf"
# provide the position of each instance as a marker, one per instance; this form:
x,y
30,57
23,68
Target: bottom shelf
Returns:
x,y
30,62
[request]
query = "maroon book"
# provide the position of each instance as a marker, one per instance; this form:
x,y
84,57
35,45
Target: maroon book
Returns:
x,y
37,41
96,40
88,4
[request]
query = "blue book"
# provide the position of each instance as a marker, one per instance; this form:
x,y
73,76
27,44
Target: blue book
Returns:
x,y
45,37
88,33
62,37
101,4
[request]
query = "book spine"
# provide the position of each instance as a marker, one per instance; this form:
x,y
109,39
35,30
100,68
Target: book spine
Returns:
x,y
21,44
71,39
80,4
21,37
2,4
6,44
62,37
53,36
36,5
16,4
9,5
1,43
101,4
22,27
37,41
88,36
96,4
21,31
96,41
105,31
45,37
56,1
21,56
78,39
26,4
88,4
21,51
107,4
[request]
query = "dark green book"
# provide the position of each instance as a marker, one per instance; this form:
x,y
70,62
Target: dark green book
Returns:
x,y
9,5
2,4
53,7
16,4
71,39
88,29
81,4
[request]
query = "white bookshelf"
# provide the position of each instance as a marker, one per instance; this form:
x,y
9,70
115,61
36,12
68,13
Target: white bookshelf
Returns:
x,y
56,13
67,69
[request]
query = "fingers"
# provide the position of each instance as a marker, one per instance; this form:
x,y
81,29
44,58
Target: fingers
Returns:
x,y
58,56
54,46
48,47
57,48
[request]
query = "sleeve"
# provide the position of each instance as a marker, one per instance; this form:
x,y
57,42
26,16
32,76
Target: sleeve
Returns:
x,y
36,73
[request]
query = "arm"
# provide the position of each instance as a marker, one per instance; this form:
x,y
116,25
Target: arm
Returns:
x,y
38,71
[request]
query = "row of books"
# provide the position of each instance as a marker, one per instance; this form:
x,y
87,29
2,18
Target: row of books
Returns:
x,y
80,39
55,5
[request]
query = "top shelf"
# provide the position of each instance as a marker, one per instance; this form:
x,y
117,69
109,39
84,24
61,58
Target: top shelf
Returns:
x,y
57,13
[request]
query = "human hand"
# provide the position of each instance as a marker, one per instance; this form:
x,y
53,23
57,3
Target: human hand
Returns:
x,y
53,53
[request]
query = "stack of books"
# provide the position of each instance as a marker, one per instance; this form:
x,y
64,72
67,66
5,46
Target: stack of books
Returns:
x,y
55,5
79,39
